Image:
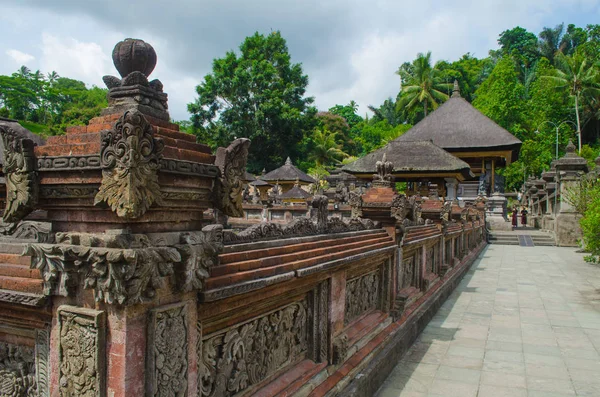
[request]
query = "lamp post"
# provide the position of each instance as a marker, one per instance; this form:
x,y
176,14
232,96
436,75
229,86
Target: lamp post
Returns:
x,y
557,126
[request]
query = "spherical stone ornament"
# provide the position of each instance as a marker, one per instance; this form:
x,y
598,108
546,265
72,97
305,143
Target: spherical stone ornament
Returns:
x,y
134,55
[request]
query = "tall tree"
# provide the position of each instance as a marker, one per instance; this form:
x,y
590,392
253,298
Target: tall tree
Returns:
x,y
519,41
550,41
387,111
423,85
258,94
579,77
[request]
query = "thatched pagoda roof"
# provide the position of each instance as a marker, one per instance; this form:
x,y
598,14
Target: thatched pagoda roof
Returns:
x,y
295,193
457,126
287,173
248,177
411,157
259,182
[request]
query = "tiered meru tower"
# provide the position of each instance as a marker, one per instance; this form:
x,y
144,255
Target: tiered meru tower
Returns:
x,y
128,248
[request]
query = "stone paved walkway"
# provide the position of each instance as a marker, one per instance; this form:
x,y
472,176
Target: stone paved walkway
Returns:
x,y
523,322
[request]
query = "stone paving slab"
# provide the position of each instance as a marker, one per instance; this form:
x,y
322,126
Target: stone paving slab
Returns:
x,y
525,321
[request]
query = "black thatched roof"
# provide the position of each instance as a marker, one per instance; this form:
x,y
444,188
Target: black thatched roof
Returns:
x,y
249,177
21,132
295,193
287,172
411,156
456,126
259,182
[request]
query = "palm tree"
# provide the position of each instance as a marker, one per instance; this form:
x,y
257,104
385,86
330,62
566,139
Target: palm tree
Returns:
x,y
53,77
387,111
24,71
326,150
550,42
579,76
422,84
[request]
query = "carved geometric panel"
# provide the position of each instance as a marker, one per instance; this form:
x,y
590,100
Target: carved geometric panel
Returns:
x,y
234,359
167,355
81,352
362,295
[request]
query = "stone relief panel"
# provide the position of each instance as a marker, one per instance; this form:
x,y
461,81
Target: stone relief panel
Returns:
x,y
167,356
235,359
81,352
24,369
362,295
430,260
232,163
17,371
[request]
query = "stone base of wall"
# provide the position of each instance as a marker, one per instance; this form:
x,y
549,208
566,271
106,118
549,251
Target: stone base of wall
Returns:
x,y
375,370
568,231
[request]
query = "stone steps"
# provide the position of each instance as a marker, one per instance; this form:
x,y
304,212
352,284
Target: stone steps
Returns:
x,y
513,239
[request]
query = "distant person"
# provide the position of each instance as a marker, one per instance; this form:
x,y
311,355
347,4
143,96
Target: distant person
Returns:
x,y
515,217
524,217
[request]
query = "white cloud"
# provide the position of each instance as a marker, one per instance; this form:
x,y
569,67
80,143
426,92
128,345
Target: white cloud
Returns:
x,y
20,57
75,59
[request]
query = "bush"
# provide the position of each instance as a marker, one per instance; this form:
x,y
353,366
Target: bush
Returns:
x,y
590,225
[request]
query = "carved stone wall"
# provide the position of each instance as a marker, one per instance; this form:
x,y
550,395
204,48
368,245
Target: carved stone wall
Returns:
x,y
409,274
235,359
319,323
82,354
24,369
17,371
167,355
363,294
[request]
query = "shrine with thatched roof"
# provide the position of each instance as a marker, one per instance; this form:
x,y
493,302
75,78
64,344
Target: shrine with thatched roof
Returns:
x,y
287,175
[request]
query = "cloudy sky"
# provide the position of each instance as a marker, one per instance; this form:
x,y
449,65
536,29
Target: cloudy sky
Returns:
x,y
349,49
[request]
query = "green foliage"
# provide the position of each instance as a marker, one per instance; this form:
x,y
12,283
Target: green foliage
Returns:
x,y
500,97
519,41
374,135
590,224
324,149
53,102
258,94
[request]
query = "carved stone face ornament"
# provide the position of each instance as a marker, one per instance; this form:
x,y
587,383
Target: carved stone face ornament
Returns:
x,y
130,159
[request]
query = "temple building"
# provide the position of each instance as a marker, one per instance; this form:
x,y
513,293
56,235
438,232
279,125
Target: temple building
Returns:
x,y
420,163
455,150
460,129
286,176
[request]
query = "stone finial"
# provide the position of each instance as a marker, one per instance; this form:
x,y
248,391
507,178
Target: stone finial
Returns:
x,y
384,172
134,55
456,90
571,149
288,161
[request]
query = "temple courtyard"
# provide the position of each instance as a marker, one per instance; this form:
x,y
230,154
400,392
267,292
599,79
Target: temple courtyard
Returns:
x,y
524,321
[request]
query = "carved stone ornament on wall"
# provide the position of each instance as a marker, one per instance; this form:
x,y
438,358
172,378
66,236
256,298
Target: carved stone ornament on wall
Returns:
x,y
299,227
17,371
408,272
240,357
40,232
167,356
81,352
20,175
340,348
362,295
130,158
199,252
383,177
123,276
355,201
232,163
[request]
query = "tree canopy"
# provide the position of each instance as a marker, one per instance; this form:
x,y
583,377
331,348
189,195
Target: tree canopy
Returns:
x,y
257,94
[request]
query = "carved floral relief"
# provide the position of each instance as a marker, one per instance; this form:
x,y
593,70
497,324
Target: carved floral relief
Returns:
x,y
362,295
234,360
